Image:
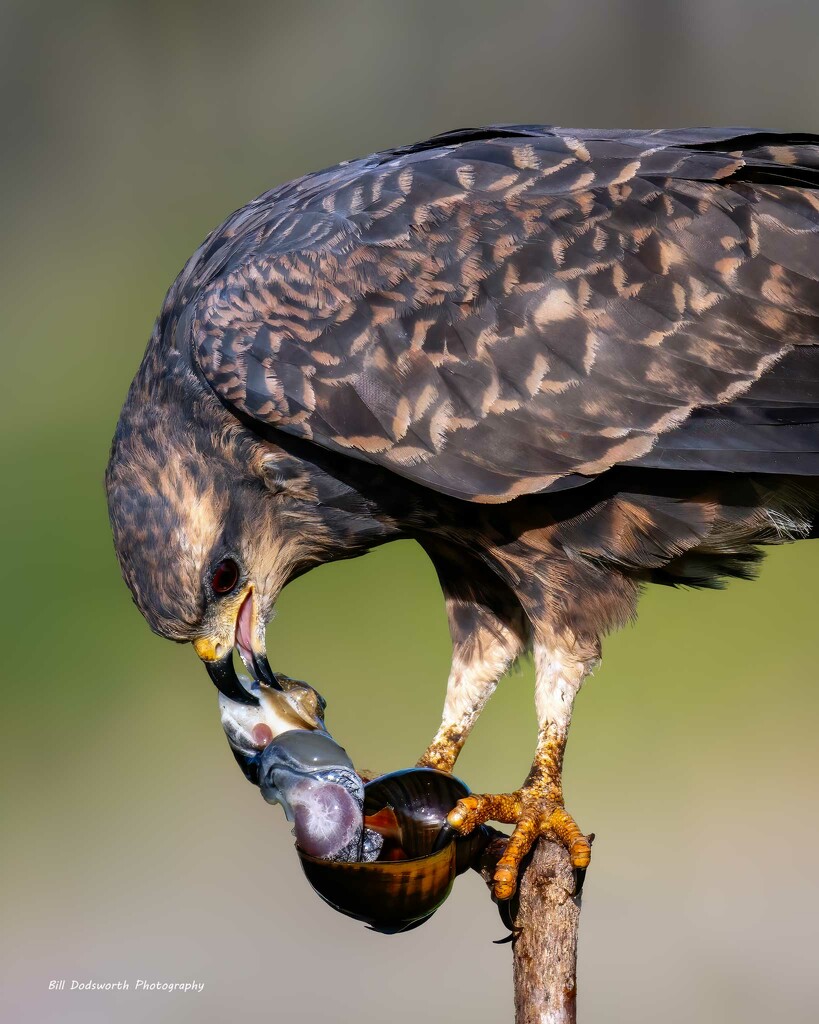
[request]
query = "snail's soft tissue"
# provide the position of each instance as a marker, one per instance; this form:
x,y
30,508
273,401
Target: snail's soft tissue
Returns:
x,y
313,778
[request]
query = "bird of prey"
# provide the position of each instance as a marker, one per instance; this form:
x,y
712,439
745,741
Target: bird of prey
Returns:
x,y
566,362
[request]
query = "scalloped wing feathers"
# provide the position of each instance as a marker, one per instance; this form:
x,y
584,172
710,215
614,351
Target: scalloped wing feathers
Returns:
x,y
496,312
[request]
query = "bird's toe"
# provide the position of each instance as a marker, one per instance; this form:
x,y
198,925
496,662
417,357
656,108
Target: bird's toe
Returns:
x,y
533,815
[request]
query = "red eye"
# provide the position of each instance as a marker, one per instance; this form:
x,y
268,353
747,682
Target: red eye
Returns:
x,y
225,576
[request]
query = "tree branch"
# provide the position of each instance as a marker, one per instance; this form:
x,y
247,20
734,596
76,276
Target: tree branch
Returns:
x,y
546,919
545,944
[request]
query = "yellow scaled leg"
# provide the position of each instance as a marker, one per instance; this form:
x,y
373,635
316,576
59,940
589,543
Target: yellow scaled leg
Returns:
x,y
536,809
534,813
443,752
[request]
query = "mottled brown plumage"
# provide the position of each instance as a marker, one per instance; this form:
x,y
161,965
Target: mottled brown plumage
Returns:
x,y
566,362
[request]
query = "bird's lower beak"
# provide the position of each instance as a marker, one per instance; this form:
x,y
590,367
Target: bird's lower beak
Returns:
x,y
223,674
218,657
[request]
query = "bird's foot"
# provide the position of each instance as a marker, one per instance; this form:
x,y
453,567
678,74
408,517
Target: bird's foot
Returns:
x,y
535,811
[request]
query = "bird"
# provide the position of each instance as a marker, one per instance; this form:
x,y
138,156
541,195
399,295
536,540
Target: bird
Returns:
x,y
568,363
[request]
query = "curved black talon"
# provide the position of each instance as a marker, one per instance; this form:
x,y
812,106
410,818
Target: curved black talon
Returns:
x,y
447,835
508,910
580,875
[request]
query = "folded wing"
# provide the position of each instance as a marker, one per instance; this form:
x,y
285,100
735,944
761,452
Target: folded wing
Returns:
x,y
512,310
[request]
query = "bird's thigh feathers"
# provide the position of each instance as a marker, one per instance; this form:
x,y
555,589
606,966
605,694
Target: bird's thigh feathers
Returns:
x,y
576,561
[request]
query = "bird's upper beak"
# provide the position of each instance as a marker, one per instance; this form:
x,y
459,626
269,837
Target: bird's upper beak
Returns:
x,y
236,624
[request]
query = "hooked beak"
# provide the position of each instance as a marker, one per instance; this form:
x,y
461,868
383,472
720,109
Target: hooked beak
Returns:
x,y
223,676
243,634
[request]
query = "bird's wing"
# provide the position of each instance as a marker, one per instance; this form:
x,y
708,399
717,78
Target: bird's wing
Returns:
x,y
512,310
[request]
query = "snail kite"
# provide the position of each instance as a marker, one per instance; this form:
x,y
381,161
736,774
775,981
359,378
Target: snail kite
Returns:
x,y
566,362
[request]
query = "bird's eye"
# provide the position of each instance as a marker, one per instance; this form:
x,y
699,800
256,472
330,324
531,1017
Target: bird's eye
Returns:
x,y
225,576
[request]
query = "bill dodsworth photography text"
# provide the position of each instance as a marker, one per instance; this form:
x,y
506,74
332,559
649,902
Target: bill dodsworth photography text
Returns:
x,y
122,985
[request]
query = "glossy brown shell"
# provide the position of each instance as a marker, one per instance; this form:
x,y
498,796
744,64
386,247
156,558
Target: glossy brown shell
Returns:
x,y
388,895
397,894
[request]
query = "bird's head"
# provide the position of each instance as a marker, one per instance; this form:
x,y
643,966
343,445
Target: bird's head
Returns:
x,y
204,545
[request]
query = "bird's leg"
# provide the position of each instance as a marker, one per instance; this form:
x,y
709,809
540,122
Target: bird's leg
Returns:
x,y
483,647
536,809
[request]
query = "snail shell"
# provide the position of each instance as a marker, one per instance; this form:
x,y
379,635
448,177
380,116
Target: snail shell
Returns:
x,y
419,859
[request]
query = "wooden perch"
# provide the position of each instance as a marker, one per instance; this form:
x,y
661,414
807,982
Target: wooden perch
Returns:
x,y
546,918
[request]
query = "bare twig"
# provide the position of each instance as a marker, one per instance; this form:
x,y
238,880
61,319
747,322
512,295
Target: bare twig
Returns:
x,y
545,944
546,919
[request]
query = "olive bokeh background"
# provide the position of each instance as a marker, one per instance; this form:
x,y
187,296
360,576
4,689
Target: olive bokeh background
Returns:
x,y
132,846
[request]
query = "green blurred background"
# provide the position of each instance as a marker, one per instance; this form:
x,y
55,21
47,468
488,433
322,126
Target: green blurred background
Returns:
x,y
132,845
